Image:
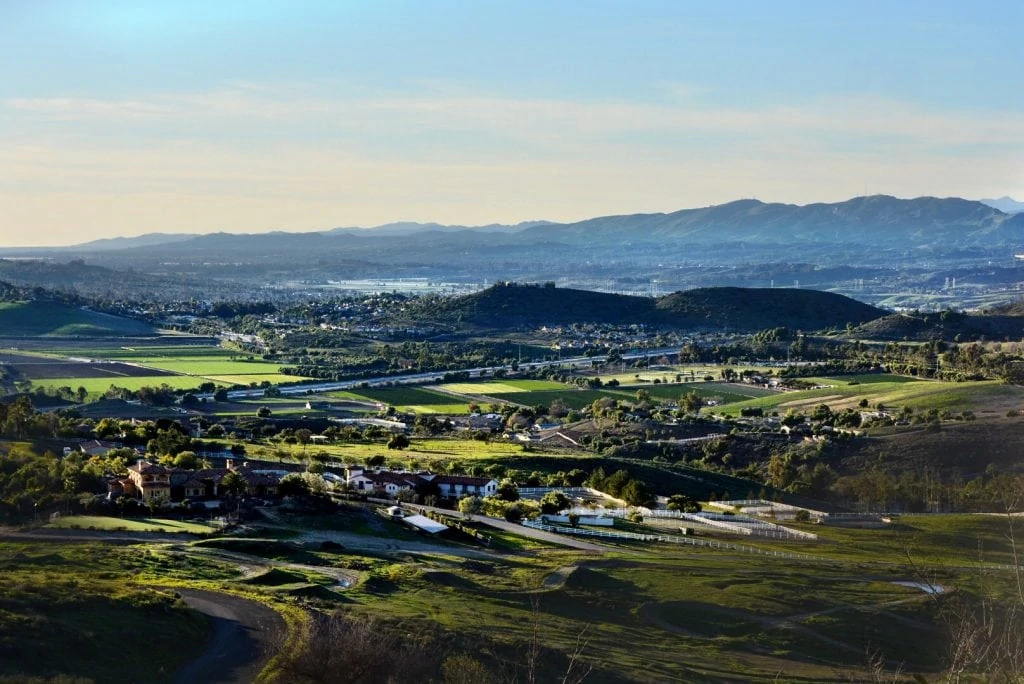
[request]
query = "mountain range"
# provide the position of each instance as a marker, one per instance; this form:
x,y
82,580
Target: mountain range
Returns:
x,y
1005,204
876,220
890,244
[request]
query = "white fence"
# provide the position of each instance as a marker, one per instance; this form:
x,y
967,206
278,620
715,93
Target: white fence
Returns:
x,y
727,523
670,539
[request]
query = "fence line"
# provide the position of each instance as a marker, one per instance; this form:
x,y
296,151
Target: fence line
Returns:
x,y
687,541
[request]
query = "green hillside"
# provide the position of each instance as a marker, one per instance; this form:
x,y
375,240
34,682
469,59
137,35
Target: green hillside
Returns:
x,y
945,325
43,318
510,305
752,309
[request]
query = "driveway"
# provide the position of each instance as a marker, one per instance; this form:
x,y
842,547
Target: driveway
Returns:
x,y
246,634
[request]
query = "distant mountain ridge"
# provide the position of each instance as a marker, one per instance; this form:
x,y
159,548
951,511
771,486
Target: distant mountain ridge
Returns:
x,y
1006,204
875,219
930,222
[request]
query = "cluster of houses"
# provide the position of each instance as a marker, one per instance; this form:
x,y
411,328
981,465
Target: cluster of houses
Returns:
x,y
392,483
147,481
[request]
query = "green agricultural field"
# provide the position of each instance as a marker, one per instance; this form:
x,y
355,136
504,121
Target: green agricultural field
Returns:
x,y
52,319
129,524
668,374
415,399
97,386
892,391
273,378
207,366
726,392
500,387
167,352
573,398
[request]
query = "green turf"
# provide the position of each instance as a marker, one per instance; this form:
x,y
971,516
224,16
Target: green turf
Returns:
x,y
129,524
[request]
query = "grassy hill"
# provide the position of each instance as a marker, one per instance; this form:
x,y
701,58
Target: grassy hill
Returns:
x,y
43,318
759,308
1004,323
507,306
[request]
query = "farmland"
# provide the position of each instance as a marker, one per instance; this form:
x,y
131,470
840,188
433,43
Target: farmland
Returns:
x,y
414,399
888,390
180,366
543,392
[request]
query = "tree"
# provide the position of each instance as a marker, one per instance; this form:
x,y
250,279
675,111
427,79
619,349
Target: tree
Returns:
x,y
293,484
263,412
690,402
553,502
470,506
635,493
398,441
681,502
186,460
508,490
234,483
220,395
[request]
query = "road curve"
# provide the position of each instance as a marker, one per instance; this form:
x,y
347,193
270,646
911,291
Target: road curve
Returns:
x,y
245,636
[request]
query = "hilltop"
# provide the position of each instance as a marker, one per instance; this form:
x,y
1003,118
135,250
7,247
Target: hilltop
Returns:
x,y
752,309
946,325
50,318
511,305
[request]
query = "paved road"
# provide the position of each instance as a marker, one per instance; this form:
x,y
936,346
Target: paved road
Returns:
x,y
417,378
245,635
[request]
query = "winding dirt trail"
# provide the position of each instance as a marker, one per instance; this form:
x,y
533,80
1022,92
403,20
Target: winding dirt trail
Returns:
x,y
245,636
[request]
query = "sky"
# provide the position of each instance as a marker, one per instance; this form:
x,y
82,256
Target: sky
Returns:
x,y
119,118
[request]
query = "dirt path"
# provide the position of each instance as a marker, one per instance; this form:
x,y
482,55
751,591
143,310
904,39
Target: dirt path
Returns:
x,y
245,636
559,577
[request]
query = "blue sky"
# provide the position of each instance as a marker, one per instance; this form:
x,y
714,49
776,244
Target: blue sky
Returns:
x,y
121,118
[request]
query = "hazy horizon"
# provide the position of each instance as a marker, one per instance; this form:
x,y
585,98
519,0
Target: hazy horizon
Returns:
x,y
119,119
426,224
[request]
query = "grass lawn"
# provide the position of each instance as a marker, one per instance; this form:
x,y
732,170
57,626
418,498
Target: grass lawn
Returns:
x,y
129,524
423,450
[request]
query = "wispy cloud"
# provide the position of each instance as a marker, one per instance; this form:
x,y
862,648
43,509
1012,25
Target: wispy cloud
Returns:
x,y
257,156
251,105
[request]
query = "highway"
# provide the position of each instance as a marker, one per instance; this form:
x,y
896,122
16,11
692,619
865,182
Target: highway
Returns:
x,y
436,376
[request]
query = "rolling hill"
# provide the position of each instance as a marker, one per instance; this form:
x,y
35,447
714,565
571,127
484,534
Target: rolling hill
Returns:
x,y
510,305
751,309
946,325
54,319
